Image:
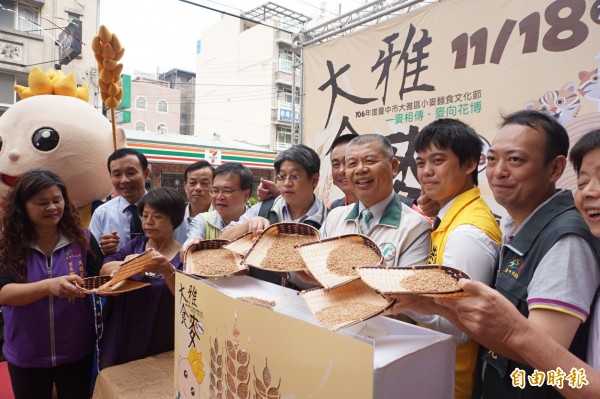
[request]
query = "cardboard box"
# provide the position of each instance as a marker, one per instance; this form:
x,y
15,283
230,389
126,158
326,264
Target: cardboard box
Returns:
x,y
287,351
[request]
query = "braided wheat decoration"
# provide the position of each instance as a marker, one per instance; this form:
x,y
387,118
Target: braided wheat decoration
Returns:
x,y
108,51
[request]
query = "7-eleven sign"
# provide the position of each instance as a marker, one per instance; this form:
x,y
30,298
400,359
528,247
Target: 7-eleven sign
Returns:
x,y
213,156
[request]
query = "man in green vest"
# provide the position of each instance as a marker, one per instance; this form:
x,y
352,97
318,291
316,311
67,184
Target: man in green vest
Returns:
x,y
495,322
466,235
297,175
548,263
548,266
231,188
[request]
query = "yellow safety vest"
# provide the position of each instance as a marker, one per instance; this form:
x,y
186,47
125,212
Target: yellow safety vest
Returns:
x,y
468,208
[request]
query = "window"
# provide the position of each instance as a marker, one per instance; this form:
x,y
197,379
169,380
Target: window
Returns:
x,y
20,16
284,139
140,103
73,17
7,94
161,128
162,106
284,95
140,126
173,180
286,59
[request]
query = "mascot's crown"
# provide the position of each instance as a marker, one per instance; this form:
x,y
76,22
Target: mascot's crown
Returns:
x,y
52,82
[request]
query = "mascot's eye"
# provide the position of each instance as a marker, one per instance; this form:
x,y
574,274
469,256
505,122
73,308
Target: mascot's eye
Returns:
x,y
45,139
0,143
185,373
193,391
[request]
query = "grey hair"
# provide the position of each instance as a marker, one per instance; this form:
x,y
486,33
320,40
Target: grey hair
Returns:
x,y
383,142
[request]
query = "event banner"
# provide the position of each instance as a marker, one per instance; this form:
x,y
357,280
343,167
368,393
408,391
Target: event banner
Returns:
x,y
231,348
467,59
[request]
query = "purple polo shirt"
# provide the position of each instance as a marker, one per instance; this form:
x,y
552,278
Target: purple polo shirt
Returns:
x,y
139,323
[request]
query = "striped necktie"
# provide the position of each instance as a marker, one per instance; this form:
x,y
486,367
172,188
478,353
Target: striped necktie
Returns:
x,y
365,218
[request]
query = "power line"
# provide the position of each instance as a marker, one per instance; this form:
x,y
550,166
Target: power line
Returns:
x,y
217,98
53,62
200,99
316,7
227,77
225,5
33,9
227,85
154,96
235,16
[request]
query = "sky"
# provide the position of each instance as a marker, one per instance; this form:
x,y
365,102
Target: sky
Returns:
x,y
159,35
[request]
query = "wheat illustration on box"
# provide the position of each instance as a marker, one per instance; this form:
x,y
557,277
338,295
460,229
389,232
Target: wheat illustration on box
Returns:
x,y
236,370
264,389
231,376
216,371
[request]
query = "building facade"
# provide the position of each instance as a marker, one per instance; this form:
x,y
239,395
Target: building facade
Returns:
x,y
170,154
244,79
185,82
46,34
155,107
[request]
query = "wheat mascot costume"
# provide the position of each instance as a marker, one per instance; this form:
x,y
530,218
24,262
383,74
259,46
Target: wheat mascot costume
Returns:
x,y
54,127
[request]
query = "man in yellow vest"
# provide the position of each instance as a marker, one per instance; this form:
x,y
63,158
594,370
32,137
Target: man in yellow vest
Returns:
x,y
466,235
231,188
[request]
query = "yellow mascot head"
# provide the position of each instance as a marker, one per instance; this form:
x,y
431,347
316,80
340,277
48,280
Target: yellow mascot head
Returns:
x,y
53,128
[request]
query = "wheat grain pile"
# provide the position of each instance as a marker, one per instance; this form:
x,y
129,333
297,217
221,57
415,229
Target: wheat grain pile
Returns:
x,y
258,301
430,280
213,262
282,256
341,260
345,313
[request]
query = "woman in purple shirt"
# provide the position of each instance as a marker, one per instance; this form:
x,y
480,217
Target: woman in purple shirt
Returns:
x,y
141,323
49,322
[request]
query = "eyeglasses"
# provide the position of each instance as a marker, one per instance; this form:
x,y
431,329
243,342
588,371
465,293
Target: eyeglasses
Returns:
x,y
226,192
292,178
